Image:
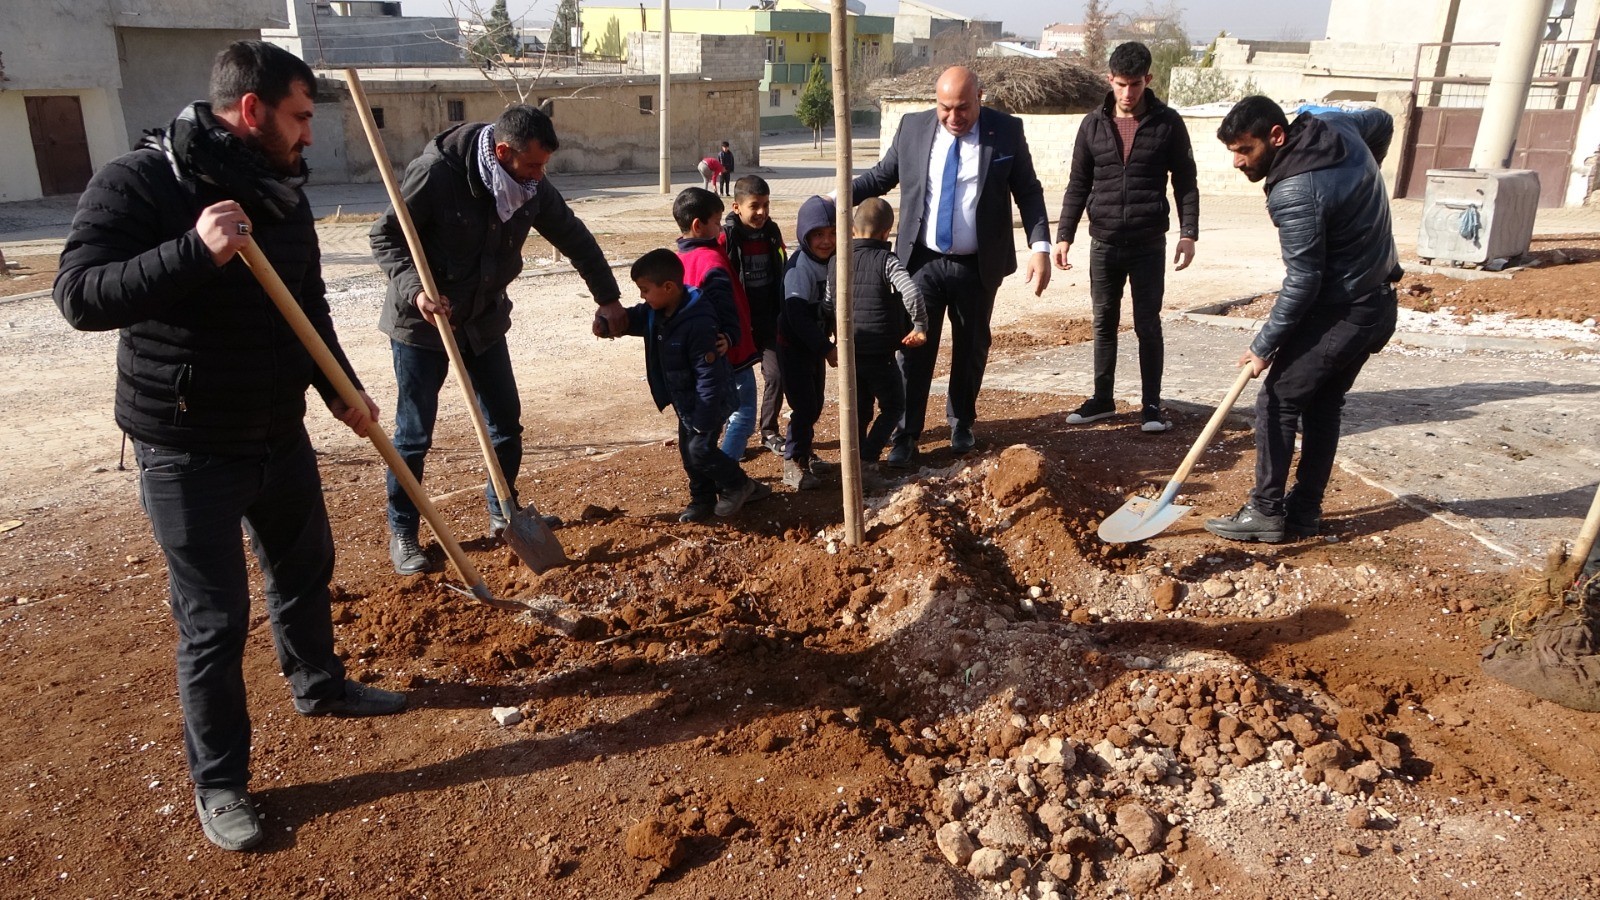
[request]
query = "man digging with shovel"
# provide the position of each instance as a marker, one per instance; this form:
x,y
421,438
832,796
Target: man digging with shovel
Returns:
x,y
211,385
474,194
1337,306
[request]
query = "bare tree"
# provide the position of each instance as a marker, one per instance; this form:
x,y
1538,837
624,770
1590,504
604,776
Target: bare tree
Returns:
x,y
1096,19
1161,29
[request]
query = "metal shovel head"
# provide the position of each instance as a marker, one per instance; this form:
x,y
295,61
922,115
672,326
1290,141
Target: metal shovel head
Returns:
x,y
1140,518
532,540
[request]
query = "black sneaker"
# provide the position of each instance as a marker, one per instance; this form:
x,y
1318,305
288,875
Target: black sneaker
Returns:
x,y
904,455
1093,410
962,440
1153,421
228,818
696,512
816,465
733,501
799,477
358,700
406,555
1248,525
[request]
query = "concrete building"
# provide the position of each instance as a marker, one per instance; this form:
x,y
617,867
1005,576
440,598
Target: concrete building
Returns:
x,y
926,35
1441,54
794,34
365,33
1062,39
84,80
607,123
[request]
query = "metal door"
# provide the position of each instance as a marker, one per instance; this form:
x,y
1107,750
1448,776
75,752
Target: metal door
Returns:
x,y
60,147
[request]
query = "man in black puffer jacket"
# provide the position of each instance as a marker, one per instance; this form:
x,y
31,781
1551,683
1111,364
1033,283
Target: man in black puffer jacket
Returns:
x,y
211,386
1337,307
474,194
1120,164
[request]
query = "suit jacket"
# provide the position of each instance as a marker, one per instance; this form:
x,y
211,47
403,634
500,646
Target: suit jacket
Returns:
x,y
1005,173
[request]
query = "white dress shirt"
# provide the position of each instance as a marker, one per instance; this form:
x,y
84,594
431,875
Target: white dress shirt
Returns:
x,y
964,223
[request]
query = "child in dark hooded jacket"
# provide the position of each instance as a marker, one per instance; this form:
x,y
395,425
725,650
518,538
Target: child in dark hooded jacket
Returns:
x,y
805,339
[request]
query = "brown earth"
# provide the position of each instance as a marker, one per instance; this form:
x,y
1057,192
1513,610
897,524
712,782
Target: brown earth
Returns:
x,y
31,273
768,711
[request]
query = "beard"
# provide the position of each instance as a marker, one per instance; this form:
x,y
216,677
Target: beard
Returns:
x,y
281,153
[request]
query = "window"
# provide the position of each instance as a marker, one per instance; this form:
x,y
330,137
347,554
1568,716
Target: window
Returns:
x,y
647,104
455,110
377,116
781,56
775,97
771,50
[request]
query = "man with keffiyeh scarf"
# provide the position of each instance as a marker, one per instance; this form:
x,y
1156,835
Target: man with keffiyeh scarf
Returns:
x,y
474,194
211,385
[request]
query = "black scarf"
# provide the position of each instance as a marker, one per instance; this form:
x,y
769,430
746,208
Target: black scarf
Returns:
x,y
201,149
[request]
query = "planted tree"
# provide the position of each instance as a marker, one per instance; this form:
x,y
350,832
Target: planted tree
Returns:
x,y
815,108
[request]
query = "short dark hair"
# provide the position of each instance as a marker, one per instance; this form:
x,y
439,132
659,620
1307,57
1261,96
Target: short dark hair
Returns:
x,y
521,125
751,186
1130,60
260,68
1254,116
693,205
659,266
874,216
724,143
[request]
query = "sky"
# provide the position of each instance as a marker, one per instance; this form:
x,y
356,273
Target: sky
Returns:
x,y
1301,20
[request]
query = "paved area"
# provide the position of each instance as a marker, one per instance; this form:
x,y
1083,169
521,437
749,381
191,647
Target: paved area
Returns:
x,y
1505,445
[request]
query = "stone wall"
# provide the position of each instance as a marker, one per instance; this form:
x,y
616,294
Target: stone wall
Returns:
x,y
720,57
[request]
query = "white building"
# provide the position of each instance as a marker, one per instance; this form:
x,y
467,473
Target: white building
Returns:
x,y
365,33
1062,39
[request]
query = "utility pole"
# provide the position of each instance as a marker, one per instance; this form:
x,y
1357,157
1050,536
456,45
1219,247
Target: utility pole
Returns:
x,y
666,96
1524,25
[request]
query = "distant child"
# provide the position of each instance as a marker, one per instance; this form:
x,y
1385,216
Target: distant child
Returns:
x,y
725,159
883,296
754,245
698,213
710,171
805,339
684,369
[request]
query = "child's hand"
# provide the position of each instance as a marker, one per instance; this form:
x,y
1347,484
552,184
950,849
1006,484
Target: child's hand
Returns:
x,y
833,357
723,344
914,339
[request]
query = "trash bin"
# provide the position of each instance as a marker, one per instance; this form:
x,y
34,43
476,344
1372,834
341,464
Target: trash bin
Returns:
x,y
1474,216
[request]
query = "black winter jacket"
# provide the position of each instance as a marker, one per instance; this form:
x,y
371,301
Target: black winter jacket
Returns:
x,y
682,364
474,256
205,362
1127,203
1325,194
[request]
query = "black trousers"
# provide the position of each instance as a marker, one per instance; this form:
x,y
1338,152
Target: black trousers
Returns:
x,y
709,469
771,394
804,382
1142,268
1304,391
878,379
949,284
196,502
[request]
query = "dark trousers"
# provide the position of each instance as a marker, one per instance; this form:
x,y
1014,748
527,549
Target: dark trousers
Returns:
x,y
878,379
419,375
723,182
804,381
949,284
1143,269
771,394
196,502
709,469
1304,390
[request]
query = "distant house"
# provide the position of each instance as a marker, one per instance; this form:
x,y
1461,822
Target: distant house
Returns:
x,y
926,35
365,33
1062,39
84,80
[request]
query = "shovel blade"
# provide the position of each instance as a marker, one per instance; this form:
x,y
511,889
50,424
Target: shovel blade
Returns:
x,y
532,540
1138,519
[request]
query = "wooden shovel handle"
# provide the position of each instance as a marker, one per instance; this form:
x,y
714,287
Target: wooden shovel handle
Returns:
x,y
1214,425
1586,534
268,276
419,259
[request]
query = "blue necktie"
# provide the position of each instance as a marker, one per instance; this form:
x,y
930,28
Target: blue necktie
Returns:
x,y
944,229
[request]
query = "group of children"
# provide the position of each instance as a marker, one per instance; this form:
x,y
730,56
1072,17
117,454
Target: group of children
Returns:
x,y
732,298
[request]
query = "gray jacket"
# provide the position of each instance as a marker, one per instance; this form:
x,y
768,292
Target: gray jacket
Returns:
x,y
1325,194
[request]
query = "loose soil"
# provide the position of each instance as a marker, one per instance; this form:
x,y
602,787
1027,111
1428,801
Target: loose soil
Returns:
x,y
767,710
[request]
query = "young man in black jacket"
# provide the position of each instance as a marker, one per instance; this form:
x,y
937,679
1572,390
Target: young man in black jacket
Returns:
x,y
1120,164
211,386
1337,306
474,194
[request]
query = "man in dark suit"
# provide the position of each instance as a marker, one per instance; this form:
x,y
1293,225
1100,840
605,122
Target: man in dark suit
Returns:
x,y
959,167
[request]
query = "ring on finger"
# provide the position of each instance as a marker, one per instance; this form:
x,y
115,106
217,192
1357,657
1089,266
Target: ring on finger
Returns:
x,y
244,227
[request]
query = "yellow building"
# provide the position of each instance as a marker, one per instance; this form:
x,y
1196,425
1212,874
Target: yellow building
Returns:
x,y
796,35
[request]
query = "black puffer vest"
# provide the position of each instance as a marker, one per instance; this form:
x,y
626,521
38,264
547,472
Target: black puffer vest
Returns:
x,y
877,312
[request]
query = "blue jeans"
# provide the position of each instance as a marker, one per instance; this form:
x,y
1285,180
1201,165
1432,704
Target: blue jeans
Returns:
x,y
196,502
419,374
742,423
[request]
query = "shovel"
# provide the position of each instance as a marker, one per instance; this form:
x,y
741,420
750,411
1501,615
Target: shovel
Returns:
x,y
1141,517
527,533
565,621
